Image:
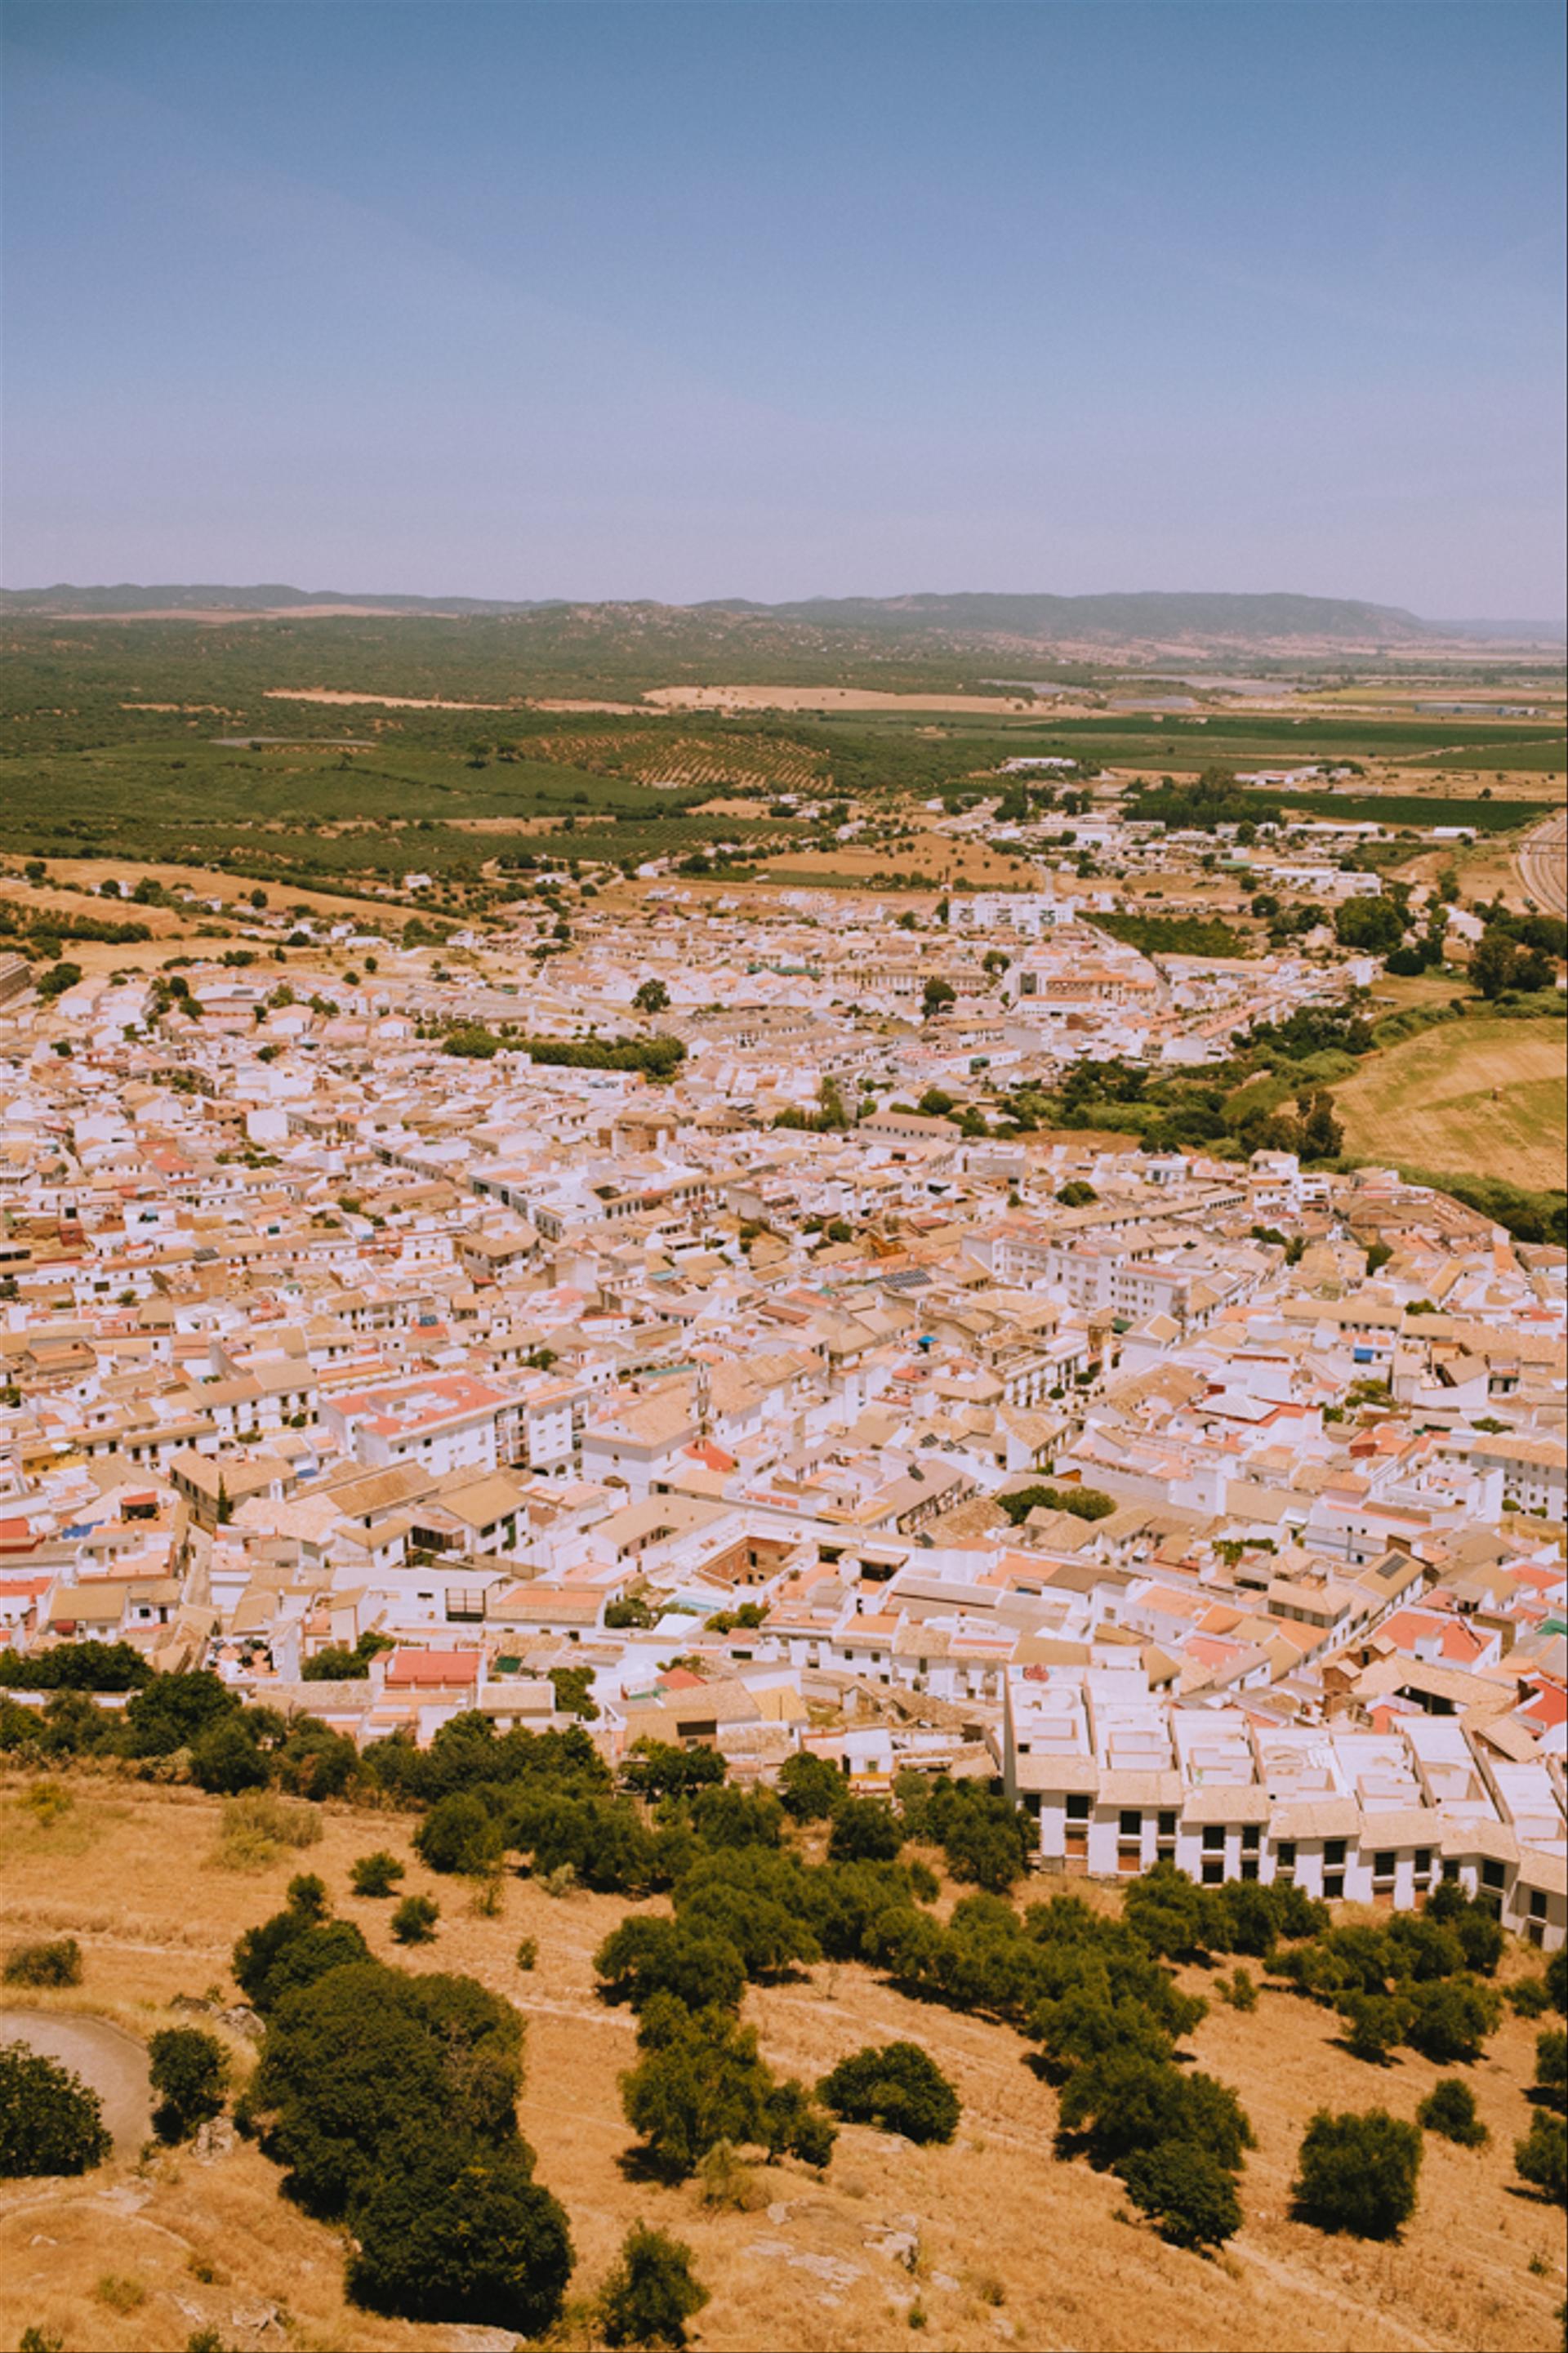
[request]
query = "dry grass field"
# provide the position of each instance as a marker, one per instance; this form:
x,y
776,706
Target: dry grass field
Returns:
x,y
1488,1098
1014,2249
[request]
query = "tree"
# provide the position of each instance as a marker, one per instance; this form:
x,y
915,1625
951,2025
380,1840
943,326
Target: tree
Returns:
x,y
459,1833
227,1758
1377,2024
646,1956
49,2121
652,2292
460,2233
1076,1194
1372,924
173,1710
1492,963
700,2081
1126,2101
897,2086
652,997
375,1874
811,1788
657,1769
1449,2110
1358,2173
936,994
292,1950
864,1830
365,2060
1185,2191
1541,2156
1450,2017
190,2069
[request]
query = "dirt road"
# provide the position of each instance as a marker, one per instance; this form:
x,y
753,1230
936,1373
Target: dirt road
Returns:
x,y
1543,864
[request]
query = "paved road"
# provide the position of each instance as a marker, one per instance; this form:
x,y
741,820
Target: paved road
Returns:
x,y
108,2059
1543,864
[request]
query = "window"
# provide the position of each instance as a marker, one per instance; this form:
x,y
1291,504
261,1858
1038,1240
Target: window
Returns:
x,y
1422,1866
1131,1824
1078,1806
1382,1866
1537,1904
1492,1877
1249,1838
1334,1884
1167,1826
1249,1866
1213,1869
1334,1855
1285,1854
1214,1837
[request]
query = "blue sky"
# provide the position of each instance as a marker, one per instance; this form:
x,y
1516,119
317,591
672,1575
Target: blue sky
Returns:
x,y
788,299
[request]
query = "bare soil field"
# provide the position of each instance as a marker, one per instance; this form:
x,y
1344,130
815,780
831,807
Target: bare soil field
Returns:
x,y
936,857
387,701
830,698
130,1871
1477,1097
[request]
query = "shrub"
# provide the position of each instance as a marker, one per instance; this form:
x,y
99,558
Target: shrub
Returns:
x,y
1449,2110
375,1874
49,2121
1551,2064
255,1828
652,2292
1541,2156
895,2086
1242,1990
1557,1979
724,2181
1358,2173
54,1963
1185,2191
528,1953
459,1833
190,2069
414,1922
460,2232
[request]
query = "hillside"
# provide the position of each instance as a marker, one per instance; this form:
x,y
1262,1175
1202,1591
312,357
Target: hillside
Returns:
x,y
1014,2246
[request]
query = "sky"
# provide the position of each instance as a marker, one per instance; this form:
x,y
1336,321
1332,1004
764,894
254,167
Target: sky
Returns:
x,y
788,298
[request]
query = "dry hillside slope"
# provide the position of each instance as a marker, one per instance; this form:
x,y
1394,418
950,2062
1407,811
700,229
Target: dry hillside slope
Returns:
x,y
1013,2248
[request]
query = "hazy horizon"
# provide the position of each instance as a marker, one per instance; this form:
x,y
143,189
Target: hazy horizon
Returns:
x,y
607,302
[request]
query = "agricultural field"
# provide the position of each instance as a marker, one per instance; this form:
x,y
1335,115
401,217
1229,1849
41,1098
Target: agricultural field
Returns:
x,y
1011,2246
1483,1097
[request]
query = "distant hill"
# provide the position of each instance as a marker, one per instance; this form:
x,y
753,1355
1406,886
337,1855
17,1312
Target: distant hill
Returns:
x,y
1142,614
1193,620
